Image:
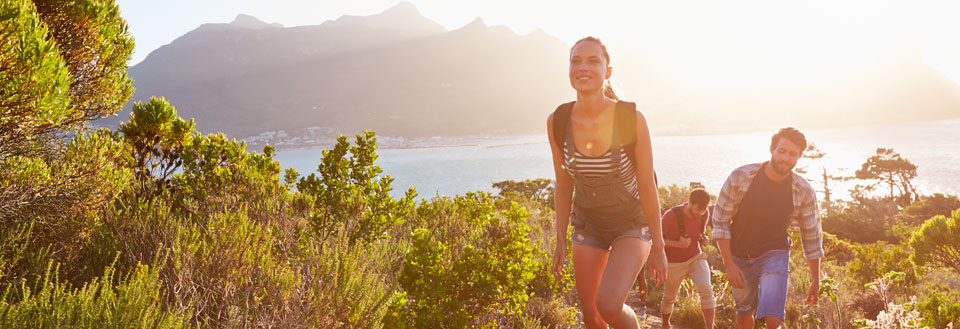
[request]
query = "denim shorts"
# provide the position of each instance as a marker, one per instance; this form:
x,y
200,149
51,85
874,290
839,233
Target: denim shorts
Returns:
x,y
583,237
766,287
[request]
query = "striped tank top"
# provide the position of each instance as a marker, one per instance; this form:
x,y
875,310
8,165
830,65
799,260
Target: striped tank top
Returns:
x,y
598,166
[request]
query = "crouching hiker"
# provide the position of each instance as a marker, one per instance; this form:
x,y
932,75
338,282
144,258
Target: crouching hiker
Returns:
x,y
683,228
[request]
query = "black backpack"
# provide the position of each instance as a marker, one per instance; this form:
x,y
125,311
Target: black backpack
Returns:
x,y
678,213
624,117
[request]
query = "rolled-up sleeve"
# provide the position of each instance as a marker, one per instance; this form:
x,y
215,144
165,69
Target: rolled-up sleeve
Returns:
x,y
810,230
723,210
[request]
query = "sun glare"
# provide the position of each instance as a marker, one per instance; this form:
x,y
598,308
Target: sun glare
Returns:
x,y
737,44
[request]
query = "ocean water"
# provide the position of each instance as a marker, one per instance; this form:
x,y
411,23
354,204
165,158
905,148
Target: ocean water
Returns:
x,y
932,145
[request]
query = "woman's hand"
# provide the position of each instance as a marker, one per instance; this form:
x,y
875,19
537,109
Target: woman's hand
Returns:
x,y
559,258
658,265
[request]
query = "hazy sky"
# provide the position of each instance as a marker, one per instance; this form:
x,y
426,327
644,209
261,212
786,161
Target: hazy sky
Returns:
x,y
723,42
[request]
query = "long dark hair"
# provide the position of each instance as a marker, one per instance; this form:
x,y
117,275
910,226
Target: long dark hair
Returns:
x,y
607,86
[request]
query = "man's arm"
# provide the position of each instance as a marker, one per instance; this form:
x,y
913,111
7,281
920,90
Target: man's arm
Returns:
x,y
734,275
722,217
814,290
812,240
722,213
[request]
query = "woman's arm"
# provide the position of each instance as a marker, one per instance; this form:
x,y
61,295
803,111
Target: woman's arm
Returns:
x,y
649,199
563,194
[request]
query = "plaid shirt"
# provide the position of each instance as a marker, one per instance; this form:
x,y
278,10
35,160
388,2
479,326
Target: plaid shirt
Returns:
x,y
804,208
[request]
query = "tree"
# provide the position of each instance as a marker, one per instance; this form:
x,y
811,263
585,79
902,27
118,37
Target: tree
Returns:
x,y
62,63
937,243
815,154
927,207
33,78
538,190
156,136
889,167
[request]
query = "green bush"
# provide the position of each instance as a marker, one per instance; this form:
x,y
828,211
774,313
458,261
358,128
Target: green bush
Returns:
x,y
937,243
228,270
134,302
465,275
348,191
939,312
876,259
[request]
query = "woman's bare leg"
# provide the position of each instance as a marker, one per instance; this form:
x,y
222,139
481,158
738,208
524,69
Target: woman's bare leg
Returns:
x,y
588,265
626,258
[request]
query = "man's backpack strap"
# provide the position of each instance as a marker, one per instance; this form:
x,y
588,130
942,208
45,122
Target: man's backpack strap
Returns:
x,y
681,223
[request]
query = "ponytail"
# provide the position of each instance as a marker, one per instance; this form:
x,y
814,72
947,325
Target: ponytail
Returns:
x,y
608,90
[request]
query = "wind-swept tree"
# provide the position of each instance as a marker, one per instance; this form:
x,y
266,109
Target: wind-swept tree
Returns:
x,y
890,168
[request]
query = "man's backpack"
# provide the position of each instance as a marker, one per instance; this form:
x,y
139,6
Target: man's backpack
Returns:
x,y
678,213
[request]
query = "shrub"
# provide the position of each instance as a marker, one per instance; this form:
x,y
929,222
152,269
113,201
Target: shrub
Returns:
x,y
133,302
456,276
937,243
349,191
938,312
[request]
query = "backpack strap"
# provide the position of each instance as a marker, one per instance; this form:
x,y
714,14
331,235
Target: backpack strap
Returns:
x,y
625,121
626,127
681,223
561,119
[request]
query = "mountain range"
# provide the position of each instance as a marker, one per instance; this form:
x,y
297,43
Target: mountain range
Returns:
x,y
400,74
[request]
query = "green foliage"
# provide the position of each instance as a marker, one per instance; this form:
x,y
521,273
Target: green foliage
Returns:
x,y
358,276
937,243
865,219
57,195
876,259
837,250
53,174
538,190
33,77
672,195
229,272
939,312
454,277
156,137
828,288
348,195
96,45
928,207
133,302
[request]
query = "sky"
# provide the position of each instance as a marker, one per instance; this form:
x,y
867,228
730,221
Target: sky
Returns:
x,y
714,42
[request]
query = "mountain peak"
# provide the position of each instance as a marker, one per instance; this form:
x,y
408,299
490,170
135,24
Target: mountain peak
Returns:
x,y
477,23
403,8
250,22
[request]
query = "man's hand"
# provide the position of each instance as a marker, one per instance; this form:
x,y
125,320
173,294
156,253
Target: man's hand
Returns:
x,y
735,276
704,239
684,242
812,293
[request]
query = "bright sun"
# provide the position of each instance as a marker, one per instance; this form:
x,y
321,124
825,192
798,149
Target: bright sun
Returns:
x,y
775,43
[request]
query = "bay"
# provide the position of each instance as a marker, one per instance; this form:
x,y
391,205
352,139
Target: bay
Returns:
x,y
932,145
